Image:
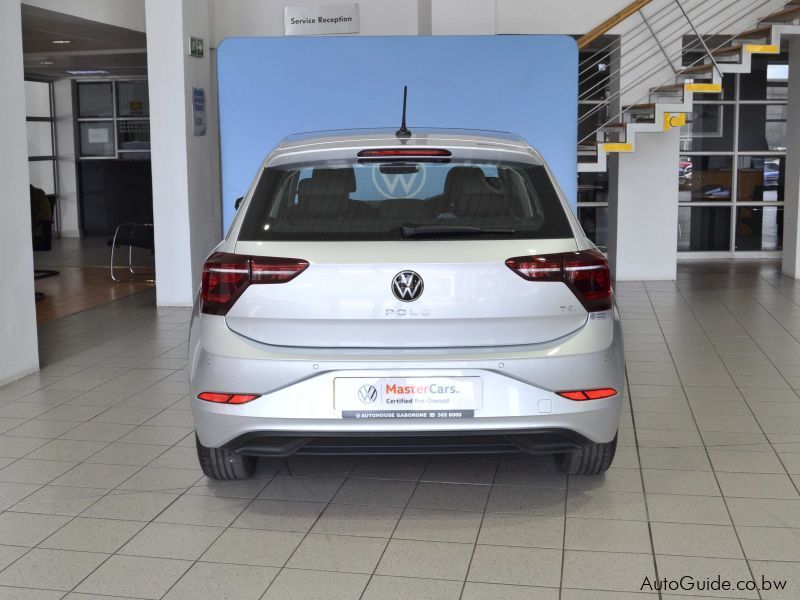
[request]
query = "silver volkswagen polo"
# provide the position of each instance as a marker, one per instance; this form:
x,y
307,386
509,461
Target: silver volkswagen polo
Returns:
x,y
397,294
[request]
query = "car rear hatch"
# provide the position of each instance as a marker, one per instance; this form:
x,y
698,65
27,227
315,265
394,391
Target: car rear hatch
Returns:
x,y
346,297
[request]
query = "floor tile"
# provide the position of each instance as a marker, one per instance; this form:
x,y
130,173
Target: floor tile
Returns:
x,y
210,581
601,504
169,540
496,591
769,543
92,535
253,547
675,508
606,570
139,577
95,475
351,519
338,553
382,587
438,525
34,471
534,531
683,539
51,569
24,529
302,489
138,506
526,500
203,510
449,496
295,584
429,560
278,515
607,535
675,567
375,492
515,566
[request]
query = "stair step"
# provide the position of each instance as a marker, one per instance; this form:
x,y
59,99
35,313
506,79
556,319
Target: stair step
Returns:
x,y
673,87
704,68
639,107
757,33
782,16
727,50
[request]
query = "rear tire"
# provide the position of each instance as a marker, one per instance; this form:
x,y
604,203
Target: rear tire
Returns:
x,y
591,459
221,463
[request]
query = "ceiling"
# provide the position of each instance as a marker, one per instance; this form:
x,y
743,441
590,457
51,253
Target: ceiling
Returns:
x,y
93,46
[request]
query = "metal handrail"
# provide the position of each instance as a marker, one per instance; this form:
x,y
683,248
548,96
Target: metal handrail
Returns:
x,y
692,44
611,22
683,49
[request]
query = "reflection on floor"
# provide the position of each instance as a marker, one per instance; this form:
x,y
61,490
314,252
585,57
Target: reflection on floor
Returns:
x,y
84,281
103,496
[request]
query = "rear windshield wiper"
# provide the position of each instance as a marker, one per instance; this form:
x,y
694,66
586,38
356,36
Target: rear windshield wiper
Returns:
x,y
428,231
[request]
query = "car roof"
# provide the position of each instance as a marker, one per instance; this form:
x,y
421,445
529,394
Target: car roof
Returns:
x,y
387,137
474,143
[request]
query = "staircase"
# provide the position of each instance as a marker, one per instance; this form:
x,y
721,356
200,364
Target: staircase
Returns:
x,y
668,104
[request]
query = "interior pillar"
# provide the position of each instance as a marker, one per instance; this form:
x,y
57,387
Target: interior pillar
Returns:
x,y
186,206
643,213
791,212
19,353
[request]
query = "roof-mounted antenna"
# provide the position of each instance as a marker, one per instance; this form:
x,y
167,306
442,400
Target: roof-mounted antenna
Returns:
x,y
404,132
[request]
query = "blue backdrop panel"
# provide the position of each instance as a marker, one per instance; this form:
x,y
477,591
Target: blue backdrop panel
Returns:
x,y
273,87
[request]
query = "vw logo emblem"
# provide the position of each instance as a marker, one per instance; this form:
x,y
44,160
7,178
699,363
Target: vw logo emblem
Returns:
x,y
407,286
367,394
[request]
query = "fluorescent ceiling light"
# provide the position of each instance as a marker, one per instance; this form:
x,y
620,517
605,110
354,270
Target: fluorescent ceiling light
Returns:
x,y
89,72
61,42
45,61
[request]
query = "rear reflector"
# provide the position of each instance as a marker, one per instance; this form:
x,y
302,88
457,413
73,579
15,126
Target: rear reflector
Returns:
x,y
226,276
585,272
227,398
589,394
390,152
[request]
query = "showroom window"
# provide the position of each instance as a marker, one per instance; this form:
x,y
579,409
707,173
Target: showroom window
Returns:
x,y
594,91
732,164
40,123
113,119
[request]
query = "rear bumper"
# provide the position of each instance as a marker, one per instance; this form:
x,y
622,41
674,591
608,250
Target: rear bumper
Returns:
x,y
297,399
281,444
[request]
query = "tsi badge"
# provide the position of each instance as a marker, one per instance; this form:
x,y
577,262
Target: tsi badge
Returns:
x,y
407,286
367,394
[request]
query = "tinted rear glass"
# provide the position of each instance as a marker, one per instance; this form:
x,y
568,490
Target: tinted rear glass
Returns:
x,y
383,200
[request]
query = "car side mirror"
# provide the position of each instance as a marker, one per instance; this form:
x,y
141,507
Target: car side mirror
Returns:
x,y
238,202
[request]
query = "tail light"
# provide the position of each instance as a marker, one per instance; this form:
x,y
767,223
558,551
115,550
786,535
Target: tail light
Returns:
x,y
227,398
226,276
589,394
585,272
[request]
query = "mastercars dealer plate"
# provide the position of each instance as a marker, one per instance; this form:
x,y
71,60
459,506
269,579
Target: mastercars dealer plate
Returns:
x,y
407,397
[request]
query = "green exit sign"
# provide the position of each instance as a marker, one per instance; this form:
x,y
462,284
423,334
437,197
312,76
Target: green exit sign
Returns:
x,y
196,47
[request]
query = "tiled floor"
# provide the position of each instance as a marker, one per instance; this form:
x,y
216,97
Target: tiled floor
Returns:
x,y
103,498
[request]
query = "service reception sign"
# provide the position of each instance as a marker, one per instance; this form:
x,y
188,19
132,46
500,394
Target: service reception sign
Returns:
x,y
320,20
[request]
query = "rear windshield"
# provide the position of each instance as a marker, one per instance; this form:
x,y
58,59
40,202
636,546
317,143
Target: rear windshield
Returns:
x,y
404,200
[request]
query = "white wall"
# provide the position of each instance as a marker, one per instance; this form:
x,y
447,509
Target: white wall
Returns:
x,y
185,182
19,354
121,13
463,17
65,151
237,18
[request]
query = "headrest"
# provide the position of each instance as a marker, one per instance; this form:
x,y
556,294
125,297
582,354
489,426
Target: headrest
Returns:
x,y
466,180
329,182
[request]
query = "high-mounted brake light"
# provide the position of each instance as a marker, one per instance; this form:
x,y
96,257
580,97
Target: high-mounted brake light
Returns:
x,y
227,398
585,272
589,394
226,276
390,152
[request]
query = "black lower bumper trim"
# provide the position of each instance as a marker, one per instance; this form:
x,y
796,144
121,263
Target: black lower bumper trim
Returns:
x,y
280,444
